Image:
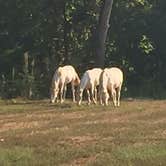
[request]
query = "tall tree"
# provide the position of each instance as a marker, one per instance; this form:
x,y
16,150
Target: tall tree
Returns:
x,y
102,30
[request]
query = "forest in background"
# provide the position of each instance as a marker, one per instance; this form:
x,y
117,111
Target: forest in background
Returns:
x,y
38,36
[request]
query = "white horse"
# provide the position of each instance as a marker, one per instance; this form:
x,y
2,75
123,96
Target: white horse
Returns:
x,y
111,80
62,77
89,81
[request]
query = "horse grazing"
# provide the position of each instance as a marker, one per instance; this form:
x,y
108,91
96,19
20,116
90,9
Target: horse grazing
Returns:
x,y
89,81
111,80
63,76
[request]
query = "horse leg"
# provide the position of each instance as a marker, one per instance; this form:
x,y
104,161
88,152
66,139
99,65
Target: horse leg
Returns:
x,y
106,97
113,93
100,96
88,94
61,93
73,92
118,96
64,92
80,92
93,94
53,99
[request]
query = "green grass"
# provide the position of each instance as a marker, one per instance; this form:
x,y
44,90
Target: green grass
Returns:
x,y
16,156
36,133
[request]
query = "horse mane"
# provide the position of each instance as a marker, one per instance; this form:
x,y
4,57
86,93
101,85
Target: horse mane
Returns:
x,y
59,71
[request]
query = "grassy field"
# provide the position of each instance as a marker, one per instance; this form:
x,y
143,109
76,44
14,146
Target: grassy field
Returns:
x,y
37,133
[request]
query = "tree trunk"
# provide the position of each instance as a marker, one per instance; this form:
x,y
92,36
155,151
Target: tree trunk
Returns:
x,y
102,30
65,37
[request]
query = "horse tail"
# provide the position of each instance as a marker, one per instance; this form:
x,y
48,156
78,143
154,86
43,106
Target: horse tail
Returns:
x,y
84,81
77,80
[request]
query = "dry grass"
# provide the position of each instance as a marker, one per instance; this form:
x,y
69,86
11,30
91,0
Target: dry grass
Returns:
x,y
39,133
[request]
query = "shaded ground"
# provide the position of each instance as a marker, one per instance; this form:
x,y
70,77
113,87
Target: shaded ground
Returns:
x,y
39,133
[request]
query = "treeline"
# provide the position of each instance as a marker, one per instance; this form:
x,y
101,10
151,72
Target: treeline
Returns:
x,y
37,36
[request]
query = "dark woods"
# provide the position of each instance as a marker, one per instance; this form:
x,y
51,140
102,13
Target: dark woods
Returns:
x,y
38,36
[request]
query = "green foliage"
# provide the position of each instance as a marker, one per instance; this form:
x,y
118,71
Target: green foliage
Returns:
x,y
146,45
61,32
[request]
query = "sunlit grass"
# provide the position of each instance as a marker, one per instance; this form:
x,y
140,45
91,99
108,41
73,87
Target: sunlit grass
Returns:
x,y
40,133
16,155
